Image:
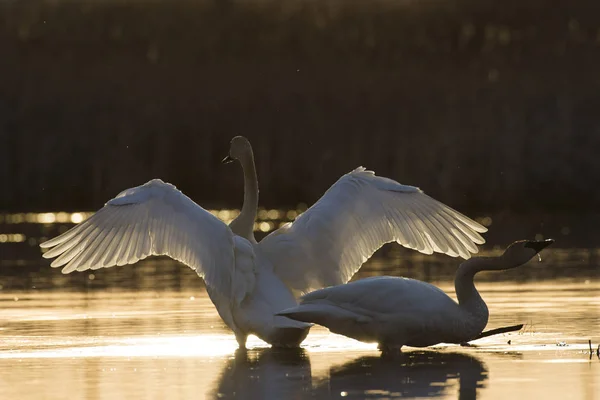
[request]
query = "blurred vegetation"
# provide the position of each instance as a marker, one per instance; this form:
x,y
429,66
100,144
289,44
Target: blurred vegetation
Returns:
x,y
488,106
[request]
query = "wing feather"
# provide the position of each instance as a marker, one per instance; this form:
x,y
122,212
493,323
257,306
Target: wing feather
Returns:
x,y
96,248
151,219
112,249
444,244
357,215
436,239
445,227
126,244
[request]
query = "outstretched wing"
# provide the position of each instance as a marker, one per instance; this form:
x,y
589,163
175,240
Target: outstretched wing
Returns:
x,y
361,212
152,219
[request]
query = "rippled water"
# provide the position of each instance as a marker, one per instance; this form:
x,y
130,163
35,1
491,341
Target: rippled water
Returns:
x,y
104,344
149,331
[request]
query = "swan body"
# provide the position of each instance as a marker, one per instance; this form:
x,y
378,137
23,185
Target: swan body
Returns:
x,y
258,313
250,281
395,312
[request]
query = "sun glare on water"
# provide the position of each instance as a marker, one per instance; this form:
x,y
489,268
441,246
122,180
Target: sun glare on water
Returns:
x,y
206,345
156,346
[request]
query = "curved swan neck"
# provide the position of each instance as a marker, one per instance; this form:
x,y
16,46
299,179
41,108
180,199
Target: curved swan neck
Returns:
x,y
469,298
243,225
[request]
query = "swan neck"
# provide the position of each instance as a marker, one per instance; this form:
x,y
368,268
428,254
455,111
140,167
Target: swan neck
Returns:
x,y
243,225
469,298
250,189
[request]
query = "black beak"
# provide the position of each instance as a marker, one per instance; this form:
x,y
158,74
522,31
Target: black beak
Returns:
x,y
539,245
227,160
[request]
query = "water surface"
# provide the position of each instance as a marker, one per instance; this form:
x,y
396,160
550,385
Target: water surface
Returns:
x,y
106,344
149,331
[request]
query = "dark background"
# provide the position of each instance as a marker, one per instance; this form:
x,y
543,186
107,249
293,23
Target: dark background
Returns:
x,y
489,106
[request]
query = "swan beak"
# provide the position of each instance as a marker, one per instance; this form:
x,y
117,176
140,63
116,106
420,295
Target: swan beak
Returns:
x,y
227,160
539,245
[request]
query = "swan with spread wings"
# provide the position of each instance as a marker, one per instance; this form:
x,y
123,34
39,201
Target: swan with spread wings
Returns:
x,y
248,281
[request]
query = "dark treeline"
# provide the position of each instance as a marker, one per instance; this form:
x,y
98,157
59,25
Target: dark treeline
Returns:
x,y
489,106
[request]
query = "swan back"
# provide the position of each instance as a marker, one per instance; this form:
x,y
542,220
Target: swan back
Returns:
x,y
381,295
387,309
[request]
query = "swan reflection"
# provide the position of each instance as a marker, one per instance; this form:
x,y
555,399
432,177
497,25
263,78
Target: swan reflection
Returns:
x,y
286,374
411,374
268,373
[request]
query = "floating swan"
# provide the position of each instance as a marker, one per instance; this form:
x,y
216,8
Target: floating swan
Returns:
x,y
250,282
395,312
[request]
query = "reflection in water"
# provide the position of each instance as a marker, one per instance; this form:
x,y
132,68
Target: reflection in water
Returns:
x,y
265,373
411,374
286,374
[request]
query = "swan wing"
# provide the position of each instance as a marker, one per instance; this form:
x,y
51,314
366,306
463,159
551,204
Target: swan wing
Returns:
x,y
382,295
379,298
152,219
361,212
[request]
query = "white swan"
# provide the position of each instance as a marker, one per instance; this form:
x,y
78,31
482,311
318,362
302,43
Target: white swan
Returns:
x,y
248,281
395,312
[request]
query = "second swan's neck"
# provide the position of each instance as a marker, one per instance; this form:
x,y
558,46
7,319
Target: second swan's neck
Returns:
x,y
243,225
469,298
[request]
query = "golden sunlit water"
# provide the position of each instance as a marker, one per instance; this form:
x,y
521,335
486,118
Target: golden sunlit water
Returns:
x,y
149,331
128,344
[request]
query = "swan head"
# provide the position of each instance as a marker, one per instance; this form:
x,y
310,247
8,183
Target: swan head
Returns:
x,y
239,148
520,252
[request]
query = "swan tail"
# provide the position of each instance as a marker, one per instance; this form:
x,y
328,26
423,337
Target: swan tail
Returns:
x,y
322,314
283,322
282,331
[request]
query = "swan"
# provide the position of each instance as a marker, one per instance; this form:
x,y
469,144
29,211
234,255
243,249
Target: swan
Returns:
x,y
396,312
250,281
